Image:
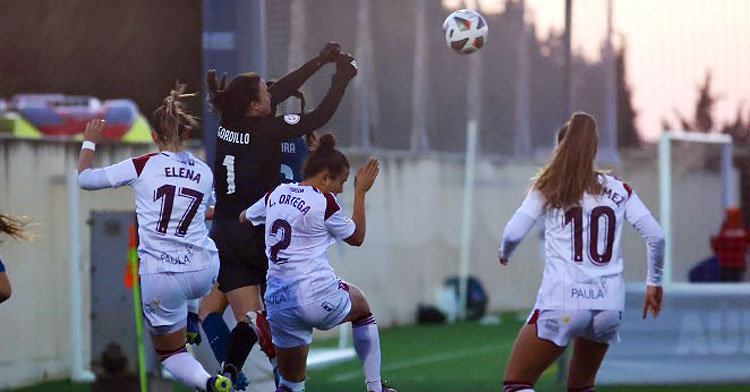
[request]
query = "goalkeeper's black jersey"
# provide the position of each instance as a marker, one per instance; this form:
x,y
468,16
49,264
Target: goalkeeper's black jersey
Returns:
x,y
248,153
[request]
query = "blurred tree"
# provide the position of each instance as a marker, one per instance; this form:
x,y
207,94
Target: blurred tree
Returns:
x,y
627,132
702,120
703,117
739,129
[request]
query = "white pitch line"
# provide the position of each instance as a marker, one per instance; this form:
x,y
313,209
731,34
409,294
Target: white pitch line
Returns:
x,y
422,361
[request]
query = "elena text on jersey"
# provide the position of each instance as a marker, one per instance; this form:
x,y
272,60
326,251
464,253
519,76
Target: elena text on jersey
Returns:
x,y
293,201
614,196
288,148
183,173
232,136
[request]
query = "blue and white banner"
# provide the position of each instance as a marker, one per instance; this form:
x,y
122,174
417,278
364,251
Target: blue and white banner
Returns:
x,y
702,336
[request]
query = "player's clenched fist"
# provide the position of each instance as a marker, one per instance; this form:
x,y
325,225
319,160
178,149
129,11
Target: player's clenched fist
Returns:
x,y
366,175
94,130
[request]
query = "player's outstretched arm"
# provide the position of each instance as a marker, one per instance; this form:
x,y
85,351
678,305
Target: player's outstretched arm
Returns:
x,y
520,224
286,86
123,173
292,126
91,136
515,230
362,183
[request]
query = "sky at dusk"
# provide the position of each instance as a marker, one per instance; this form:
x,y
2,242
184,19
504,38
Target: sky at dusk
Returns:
x,y
670,45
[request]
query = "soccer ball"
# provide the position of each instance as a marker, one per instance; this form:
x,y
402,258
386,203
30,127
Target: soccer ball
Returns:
x,y
465,31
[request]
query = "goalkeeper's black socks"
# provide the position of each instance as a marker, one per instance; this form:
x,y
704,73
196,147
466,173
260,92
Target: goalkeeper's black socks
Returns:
x,y
241,341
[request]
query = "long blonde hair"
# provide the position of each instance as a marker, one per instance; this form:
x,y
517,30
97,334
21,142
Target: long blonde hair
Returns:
x,y
571,172
15,227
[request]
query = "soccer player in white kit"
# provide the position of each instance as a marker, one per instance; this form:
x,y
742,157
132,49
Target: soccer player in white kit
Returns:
x,y
178,260
583,291
301,222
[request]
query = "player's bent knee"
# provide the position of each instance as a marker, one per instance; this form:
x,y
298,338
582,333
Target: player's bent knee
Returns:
x,y
360,306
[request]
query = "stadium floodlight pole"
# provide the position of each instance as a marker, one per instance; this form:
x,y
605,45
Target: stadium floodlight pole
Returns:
x,y
609,128
78,371
252,51
665,182
233,41
522,137
567,84
472,135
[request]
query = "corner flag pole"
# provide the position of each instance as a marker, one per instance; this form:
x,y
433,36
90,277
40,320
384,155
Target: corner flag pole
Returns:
x,y
133,273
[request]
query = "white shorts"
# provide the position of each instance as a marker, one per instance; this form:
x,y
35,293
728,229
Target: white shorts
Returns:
x,y
292,327
165,296
560,326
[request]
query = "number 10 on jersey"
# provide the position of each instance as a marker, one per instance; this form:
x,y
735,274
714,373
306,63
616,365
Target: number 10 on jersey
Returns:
x,y
575,215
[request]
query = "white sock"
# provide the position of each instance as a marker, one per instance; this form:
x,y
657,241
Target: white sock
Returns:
x,y
367,345
294,386
187,370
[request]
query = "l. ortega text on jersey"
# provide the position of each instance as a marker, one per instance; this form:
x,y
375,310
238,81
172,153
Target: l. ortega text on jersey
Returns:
x,y
293,201
183,172
232,136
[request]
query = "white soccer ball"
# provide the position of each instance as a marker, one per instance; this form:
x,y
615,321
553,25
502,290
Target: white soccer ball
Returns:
x,y
465,31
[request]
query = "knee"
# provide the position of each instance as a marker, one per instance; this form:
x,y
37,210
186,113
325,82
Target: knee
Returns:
x,y
360,306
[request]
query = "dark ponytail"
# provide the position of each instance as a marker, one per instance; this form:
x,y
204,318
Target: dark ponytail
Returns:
x,y
325,157
230,102
171,120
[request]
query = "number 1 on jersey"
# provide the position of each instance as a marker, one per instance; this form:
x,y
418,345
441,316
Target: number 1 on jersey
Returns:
x,y
575,214
229,164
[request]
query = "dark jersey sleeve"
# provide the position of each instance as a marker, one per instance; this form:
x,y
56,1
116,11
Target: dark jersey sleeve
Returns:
x,y
286,86
2,266
291,126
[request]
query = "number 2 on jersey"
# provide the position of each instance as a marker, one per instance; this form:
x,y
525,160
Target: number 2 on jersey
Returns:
x,y
575,215
167,193
286,239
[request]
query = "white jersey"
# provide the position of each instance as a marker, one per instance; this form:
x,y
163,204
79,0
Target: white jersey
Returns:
x,y
583,257
172,192
301,223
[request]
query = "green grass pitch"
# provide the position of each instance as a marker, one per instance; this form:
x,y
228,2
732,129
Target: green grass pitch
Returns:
x,y
465,357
